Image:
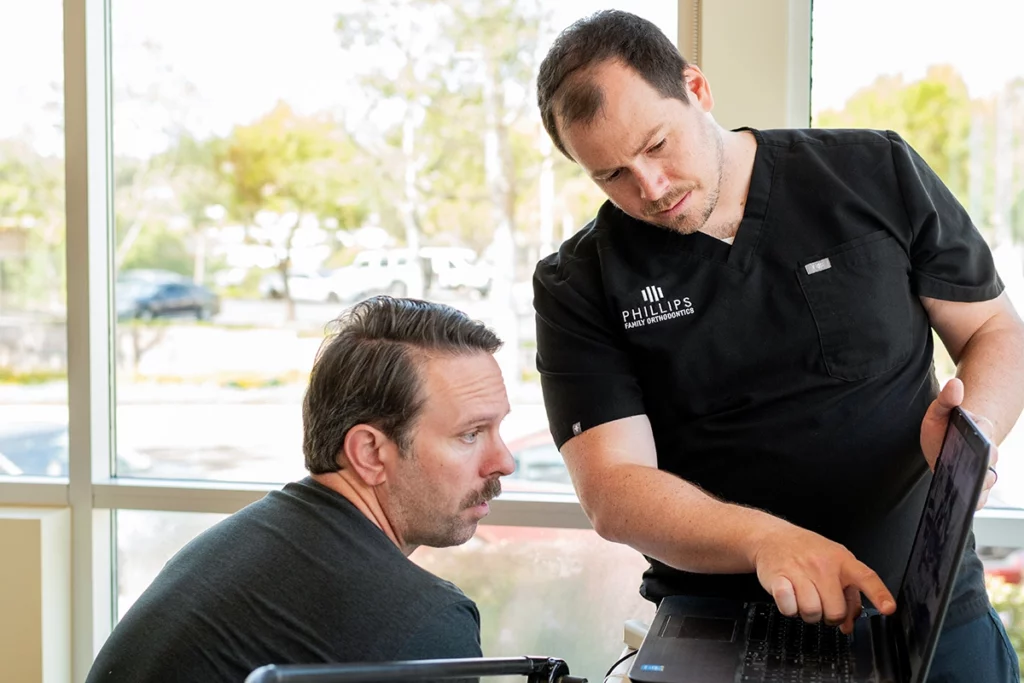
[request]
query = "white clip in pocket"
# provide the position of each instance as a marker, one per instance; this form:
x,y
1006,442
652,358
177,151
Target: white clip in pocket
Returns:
x,y
818,266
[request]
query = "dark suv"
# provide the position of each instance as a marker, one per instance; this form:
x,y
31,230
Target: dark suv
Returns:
x,y
148,300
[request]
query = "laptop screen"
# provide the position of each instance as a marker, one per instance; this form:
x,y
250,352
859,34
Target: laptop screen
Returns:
x,y
941,536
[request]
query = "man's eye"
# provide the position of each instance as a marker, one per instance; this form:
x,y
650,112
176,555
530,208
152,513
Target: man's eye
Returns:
x,y
657,146
611,177
470,437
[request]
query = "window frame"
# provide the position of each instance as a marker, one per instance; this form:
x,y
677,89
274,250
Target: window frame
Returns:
x,y
92,492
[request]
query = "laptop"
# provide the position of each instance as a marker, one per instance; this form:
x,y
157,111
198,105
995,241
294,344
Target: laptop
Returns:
x,y
711,640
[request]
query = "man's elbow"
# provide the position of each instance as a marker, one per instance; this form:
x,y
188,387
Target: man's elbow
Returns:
x,y
605,521
606,528
606,497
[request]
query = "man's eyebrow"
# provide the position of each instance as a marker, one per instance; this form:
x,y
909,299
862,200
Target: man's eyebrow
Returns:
x,y
481,418
647,142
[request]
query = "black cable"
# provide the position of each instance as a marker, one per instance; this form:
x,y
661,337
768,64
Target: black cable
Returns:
x,y
620,661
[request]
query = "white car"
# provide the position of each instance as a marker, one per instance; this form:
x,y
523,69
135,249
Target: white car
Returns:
x,y
457,268
319,287
398,272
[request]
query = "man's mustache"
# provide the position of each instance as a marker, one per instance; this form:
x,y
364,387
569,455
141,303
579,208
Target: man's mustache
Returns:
x,y
491,490
665,203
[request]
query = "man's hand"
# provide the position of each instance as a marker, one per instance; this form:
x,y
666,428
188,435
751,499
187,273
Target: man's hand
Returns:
x,y
815,578
933,431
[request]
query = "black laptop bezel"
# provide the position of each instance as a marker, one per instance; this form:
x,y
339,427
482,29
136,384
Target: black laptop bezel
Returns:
x,y
980,447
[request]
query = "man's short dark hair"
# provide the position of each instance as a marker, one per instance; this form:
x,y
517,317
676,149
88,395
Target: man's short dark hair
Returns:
x,y
367,371
563,91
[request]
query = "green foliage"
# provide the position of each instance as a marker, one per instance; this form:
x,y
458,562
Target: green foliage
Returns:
x,y
285,162
157,247
295,167
933,114
32,205
8,376
436,64
1008,600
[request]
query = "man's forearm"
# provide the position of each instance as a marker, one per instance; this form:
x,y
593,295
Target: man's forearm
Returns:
x,y
693,531
991,367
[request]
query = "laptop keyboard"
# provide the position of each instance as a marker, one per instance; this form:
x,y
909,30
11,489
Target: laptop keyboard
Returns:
x,y
786,650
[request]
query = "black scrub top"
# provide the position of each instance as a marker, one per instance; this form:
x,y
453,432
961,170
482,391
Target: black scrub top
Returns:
x,y
789,371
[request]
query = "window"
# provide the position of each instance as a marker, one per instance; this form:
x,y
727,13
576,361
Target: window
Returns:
x,y
957,96
146,540
253,205
953,87
281,199
560,591
33,349
535,588
204,416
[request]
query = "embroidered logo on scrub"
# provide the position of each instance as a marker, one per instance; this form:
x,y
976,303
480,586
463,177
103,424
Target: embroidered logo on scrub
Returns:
x,y
656,308
653,293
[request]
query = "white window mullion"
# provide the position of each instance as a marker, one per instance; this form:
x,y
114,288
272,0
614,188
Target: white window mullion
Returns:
x,y
87,113
24,491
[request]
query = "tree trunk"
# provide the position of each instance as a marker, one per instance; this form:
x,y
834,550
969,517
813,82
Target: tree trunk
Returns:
x,y
410,198
199,265
284,266
503,251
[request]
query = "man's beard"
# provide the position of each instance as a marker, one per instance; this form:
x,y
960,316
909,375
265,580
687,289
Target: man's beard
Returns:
x,y
449,530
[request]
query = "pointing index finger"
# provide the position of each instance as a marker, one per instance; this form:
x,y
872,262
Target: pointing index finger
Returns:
x,y
867,582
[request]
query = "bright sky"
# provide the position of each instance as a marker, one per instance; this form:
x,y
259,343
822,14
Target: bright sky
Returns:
x,y
854,42
242,56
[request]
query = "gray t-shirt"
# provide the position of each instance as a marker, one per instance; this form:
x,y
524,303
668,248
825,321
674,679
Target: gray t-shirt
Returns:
x,y
299,577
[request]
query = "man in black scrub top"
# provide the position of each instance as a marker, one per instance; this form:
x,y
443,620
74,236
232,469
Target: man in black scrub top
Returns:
x,y
736,353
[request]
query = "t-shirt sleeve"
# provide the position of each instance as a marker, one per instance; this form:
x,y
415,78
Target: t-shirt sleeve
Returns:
x,y
452,632
586,376
949,258
448,633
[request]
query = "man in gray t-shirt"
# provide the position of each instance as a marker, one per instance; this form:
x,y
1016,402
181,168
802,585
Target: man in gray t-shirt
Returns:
x,y
401,441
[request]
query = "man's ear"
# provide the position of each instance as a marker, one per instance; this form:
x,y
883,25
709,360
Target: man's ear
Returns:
x,y
697,88
368,453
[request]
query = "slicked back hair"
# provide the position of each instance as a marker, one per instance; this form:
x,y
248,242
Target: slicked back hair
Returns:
x,y
367,371
564,91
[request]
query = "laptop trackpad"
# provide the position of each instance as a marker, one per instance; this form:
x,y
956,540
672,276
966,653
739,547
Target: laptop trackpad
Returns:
x,y
699,628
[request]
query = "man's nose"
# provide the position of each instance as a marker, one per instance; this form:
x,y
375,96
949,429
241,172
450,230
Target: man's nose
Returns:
x,y
501,462
652,183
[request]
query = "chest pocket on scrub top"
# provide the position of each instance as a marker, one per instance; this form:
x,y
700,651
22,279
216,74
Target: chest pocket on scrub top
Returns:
x,y
859,295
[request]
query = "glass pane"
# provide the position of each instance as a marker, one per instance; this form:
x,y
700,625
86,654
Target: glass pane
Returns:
x,y
955,91
558,592
260,191
146,540
33,341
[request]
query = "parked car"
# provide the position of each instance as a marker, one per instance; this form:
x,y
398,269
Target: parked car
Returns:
x,y
319,286
41,450
386,271
457,268
146,300
381,271
1004,563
